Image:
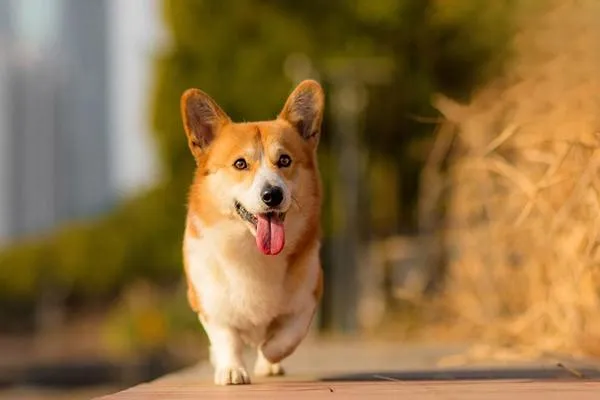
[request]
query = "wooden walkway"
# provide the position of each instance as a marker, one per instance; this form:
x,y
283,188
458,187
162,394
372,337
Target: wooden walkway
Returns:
x,y
463,390
338,370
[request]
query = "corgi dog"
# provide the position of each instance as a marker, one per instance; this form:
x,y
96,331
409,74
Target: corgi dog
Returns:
x,y
252,236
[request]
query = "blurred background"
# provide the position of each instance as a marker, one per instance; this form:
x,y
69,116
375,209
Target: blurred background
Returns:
x,y
459,159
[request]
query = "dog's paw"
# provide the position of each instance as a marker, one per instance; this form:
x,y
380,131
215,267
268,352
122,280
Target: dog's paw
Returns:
x,y
231,376
276,350
265,369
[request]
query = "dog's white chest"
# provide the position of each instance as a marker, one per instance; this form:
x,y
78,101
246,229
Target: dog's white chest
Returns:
x,y
235,283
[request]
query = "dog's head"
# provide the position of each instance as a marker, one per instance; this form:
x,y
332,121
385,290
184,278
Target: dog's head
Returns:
x,y
256,172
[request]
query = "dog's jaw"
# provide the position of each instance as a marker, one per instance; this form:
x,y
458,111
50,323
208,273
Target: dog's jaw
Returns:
x,y
267,228
250,219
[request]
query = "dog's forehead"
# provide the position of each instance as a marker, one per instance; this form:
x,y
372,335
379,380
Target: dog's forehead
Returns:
x,y
233,141
279,135
258,142
260,136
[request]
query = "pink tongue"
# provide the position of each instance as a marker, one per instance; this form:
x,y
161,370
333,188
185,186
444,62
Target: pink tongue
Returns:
x,y
270,235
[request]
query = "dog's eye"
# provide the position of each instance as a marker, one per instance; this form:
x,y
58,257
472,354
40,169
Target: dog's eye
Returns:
x,y
240,163
284,161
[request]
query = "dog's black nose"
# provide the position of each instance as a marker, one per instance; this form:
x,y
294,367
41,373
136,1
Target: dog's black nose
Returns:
x,y
272,196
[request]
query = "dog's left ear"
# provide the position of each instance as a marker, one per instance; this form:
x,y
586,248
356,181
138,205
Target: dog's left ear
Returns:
x,y
304,110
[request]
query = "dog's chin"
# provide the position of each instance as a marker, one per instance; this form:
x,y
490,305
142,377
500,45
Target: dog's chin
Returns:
x,y
251,227
250,220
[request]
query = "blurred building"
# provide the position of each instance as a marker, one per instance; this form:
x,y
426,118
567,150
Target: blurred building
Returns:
x,y
74,123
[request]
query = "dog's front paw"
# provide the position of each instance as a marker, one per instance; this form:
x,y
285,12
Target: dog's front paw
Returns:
x,y
231,376
265,369
277,349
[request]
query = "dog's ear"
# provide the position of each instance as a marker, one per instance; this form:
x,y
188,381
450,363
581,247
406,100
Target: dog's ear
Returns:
x,y
304,110
202,118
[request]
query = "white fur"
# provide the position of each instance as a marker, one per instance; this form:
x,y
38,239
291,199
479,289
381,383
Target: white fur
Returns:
x,y
241,295
241,291
264,176
249,195
264,367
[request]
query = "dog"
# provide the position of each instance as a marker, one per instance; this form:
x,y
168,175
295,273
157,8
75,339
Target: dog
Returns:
x,y
252,236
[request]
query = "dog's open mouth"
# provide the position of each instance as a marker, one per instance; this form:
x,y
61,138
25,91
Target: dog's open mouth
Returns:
x,y
245,214
251,218
270,232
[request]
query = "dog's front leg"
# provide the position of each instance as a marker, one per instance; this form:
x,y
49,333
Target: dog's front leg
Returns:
x,y
287,333
264,367
226,354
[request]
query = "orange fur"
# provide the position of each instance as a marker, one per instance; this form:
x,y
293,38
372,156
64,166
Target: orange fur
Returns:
x,y
236,290
226,149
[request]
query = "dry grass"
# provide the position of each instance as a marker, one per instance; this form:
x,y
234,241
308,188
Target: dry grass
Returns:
x,y
523,178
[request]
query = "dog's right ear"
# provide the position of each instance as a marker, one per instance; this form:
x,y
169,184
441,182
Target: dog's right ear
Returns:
x,y
202,119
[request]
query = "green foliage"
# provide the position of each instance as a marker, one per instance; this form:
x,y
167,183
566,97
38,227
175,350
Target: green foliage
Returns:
x,y
94,259
470,38
149,319
235,50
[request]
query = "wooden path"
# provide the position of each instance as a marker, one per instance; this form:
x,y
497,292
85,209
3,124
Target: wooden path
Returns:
x,y
434,390
339,370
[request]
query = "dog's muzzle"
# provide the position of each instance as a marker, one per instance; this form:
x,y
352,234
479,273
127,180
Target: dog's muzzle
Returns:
x,y
251,218
245,214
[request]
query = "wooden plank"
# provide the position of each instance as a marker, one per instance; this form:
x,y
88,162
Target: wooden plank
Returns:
x,y
438,390
357,369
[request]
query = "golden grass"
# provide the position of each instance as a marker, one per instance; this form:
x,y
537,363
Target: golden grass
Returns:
x,y
523,177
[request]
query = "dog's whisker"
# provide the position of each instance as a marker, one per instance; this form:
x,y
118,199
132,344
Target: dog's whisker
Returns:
x,y
295,201
298,206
